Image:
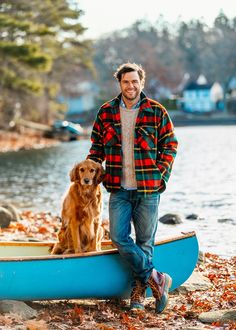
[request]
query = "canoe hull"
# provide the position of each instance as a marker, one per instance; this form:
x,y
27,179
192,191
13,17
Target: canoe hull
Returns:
x,y
97,275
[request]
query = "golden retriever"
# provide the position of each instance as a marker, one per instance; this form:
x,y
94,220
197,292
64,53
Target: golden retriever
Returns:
x,y
81,229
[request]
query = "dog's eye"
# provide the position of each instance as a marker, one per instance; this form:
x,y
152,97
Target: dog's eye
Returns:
x,y
92,170
81,169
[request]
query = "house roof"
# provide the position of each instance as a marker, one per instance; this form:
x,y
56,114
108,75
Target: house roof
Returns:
x,y
192,85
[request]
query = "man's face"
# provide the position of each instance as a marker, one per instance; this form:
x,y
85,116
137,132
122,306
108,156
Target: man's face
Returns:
x,y
131,86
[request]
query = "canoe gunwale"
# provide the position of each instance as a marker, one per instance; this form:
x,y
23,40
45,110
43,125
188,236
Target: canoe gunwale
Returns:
x,y
77,255
29,273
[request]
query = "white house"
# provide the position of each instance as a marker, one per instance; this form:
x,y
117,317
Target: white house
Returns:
x,y
202,97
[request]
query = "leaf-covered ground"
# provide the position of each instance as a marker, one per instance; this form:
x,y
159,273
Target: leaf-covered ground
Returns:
x,y
32,227
183,309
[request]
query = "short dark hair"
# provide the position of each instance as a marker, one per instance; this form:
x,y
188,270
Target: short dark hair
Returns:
x,y
130,67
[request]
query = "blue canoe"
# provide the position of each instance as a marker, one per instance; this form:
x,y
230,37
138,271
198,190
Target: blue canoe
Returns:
x,y
29,272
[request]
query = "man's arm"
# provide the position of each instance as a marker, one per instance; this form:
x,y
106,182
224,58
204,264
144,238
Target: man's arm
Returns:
x,y
96,151
167,147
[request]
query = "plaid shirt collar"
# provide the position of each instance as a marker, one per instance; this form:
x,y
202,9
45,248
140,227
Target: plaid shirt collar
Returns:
x,y
144,107
136,106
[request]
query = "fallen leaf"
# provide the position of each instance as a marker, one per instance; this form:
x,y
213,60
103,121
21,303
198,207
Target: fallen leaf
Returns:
x,y
103,326
36,325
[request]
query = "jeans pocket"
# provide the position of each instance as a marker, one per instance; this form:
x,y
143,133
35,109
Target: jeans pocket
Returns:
x,y
152,199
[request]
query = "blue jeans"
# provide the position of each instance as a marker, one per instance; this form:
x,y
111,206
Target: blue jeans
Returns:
x,y
124,206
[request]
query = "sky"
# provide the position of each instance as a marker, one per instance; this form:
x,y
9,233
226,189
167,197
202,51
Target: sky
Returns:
x,y
104,16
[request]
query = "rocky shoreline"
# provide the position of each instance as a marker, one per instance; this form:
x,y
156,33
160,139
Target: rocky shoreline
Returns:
x,y
14,141
206,301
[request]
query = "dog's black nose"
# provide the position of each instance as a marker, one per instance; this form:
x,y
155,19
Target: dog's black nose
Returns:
x,y
86,181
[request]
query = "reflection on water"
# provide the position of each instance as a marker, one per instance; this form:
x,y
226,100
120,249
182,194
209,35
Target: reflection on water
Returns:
x,y
37,179
202,182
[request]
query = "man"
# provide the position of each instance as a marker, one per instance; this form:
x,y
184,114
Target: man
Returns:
x,y
135,136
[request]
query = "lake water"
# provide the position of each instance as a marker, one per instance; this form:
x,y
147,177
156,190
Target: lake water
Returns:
x,y
203,182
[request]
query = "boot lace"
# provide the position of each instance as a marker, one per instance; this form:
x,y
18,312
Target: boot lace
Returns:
x,y
138,292
155,288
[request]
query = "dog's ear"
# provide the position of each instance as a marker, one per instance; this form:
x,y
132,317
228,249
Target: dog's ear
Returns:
x,y
74,173
100,174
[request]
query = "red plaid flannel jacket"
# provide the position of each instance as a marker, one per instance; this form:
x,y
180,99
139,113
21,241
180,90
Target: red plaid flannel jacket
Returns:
x,y
155,145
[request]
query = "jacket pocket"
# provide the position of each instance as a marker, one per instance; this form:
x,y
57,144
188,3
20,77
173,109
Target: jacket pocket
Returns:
x,y
146,137
110,136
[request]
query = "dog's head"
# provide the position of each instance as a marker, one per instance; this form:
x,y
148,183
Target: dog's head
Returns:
x,y
87,172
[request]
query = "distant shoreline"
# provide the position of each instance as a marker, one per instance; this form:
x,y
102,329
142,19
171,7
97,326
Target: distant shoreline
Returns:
x,y
203,122
180,118
12,141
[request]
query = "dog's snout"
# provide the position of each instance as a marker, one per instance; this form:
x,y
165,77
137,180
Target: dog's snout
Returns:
x,y
86,180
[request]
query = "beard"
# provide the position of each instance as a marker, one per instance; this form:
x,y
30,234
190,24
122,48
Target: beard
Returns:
x,y
132,96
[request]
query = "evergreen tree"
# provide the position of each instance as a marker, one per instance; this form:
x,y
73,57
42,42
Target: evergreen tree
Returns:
x,y
40,42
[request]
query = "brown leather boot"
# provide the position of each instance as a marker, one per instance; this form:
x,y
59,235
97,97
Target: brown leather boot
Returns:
x,y
160,284
137,296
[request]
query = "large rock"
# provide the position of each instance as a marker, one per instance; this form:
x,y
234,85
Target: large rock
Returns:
x,y
5,217
227,220
13,210
193,216
171,219
214,316
195,282
17,307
